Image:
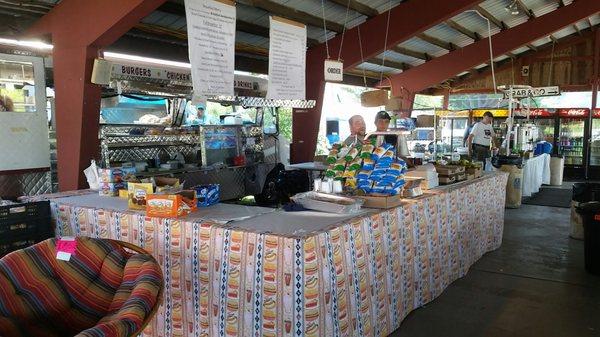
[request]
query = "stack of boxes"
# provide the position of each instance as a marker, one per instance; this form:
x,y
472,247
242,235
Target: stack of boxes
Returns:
x,y
112,180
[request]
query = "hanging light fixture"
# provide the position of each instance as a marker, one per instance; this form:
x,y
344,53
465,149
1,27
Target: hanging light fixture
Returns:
x,y
513,8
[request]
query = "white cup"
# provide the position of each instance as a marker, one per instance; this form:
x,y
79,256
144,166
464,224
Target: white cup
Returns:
x,y
337,187
317,185
326,186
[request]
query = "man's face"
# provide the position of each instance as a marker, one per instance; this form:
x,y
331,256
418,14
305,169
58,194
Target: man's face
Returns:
x,y
358,127
382,124
200,113
487,120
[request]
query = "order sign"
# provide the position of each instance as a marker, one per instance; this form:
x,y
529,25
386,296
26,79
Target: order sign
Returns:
x,y
334,71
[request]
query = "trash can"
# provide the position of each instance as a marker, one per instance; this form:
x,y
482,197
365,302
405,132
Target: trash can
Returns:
x,y
514,186
590,213
557,166
582,192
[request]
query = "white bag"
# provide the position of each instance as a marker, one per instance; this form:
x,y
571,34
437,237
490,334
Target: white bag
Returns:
x,y
91,174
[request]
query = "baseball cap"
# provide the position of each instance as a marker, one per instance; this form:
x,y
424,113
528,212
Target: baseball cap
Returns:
x,y
382,115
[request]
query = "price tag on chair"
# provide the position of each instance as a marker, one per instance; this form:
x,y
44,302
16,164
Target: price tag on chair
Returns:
x,y
65,247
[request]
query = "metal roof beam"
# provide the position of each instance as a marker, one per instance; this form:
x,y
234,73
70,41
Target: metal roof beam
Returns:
x,y
436,42
411,53
446,66
295,15
490,17
357,7
461,29
526,10
389,63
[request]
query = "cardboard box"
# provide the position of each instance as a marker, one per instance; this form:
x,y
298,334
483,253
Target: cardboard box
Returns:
x,y
372,201
374,98
208,195
164,184
444,180
115,174
171,205
110,189
137,194
425,121
448,170
476,172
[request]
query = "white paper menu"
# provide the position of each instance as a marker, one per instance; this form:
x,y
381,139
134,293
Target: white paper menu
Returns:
x,y
287,60
211,44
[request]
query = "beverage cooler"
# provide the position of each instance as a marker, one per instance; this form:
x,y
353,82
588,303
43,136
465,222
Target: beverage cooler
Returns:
x,y
544,119
572,140
595,146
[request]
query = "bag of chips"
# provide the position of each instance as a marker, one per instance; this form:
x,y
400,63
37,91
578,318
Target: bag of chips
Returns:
x,y
368,164
366,151
364,174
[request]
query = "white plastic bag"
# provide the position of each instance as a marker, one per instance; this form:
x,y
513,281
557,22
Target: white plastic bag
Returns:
x,y
91,174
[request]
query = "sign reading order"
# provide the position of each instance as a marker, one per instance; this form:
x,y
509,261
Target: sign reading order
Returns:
x,y
211,41
334,71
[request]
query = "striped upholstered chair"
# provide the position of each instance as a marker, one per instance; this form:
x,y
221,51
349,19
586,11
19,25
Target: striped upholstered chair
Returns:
x,y
103,291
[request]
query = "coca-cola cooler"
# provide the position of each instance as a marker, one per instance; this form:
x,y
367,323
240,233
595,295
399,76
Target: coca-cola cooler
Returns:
x,y
595,145
572,140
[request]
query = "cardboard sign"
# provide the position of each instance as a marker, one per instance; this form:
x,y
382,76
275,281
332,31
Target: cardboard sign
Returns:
x,y
65,248
334,71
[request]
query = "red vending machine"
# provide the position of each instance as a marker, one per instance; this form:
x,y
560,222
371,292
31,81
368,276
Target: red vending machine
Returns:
x,y
572,138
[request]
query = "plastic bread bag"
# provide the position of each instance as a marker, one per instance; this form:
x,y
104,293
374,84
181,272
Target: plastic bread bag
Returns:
x,y
355,164
378,152
378,172
368,164
340,165
350,183
353,153
389,178
348,173
366,151
387,157
332,157
393,190
363,174
395,169
330,173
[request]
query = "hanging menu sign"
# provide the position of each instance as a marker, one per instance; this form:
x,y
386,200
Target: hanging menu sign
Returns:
x,y
287,60
211,42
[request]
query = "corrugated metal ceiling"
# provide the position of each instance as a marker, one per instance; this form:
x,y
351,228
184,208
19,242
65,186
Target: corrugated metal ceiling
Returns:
x,y
470,20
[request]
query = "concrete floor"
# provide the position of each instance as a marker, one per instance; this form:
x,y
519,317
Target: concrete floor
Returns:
x,y
534,285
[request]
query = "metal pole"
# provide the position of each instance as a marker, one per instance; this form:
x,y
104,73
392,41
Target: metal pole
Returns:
x,y
595,83
510,122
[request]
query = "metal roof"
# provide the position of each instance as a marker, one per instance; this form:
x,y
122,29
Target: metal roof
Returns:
x,y
169,23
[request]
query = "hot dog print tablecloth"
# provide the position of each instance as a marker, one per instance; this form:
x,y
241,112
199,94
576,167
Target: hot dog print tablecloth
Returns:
x,y
359,278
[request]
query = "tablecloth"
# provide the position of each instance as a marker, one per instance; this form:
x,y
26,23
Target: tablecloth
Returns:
x,y
536,171
360,278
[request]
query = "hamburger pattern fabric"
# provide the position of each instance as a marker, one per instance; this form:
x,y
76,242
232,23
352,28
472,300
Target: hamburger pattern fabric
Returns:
x,y
361,278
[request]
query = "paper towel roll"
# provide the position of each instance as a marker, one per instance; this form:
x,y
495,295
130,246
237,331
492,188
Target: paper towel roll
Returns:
x,y
557,165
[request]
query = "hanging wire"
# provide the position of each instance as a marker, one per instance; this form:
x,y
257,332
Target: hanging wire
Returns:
x,y
387,28
551,63
343,31
490,45
325,28
362,58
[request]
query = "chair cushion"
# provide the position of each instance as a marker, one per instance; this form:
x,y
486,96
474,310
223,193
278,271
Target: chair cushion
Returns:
x,y
102,291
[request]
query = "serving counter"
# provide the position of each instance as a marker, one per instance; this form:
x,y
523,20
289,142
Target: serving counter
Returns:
x,y
232,270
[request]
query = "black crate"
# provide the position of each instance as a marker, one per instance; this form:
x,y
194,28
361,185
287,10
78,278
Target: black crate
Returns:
x,y
18,212
23,225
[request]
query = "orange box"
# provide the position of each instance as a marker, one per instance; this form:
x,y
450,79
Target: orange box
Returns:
x,y
171,205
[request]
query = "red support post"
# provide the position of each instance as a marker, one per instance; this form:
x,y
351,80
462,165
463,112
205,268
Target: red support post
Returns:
x,y
79,29
446,66
404,24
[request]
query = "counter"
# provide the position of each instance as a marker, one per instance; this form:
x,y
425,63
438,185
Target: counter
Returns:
x,y
271,273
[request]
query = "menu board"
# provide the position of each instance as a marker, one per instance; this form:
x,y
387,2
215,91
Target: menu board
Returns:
x,y
287,60
211,41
